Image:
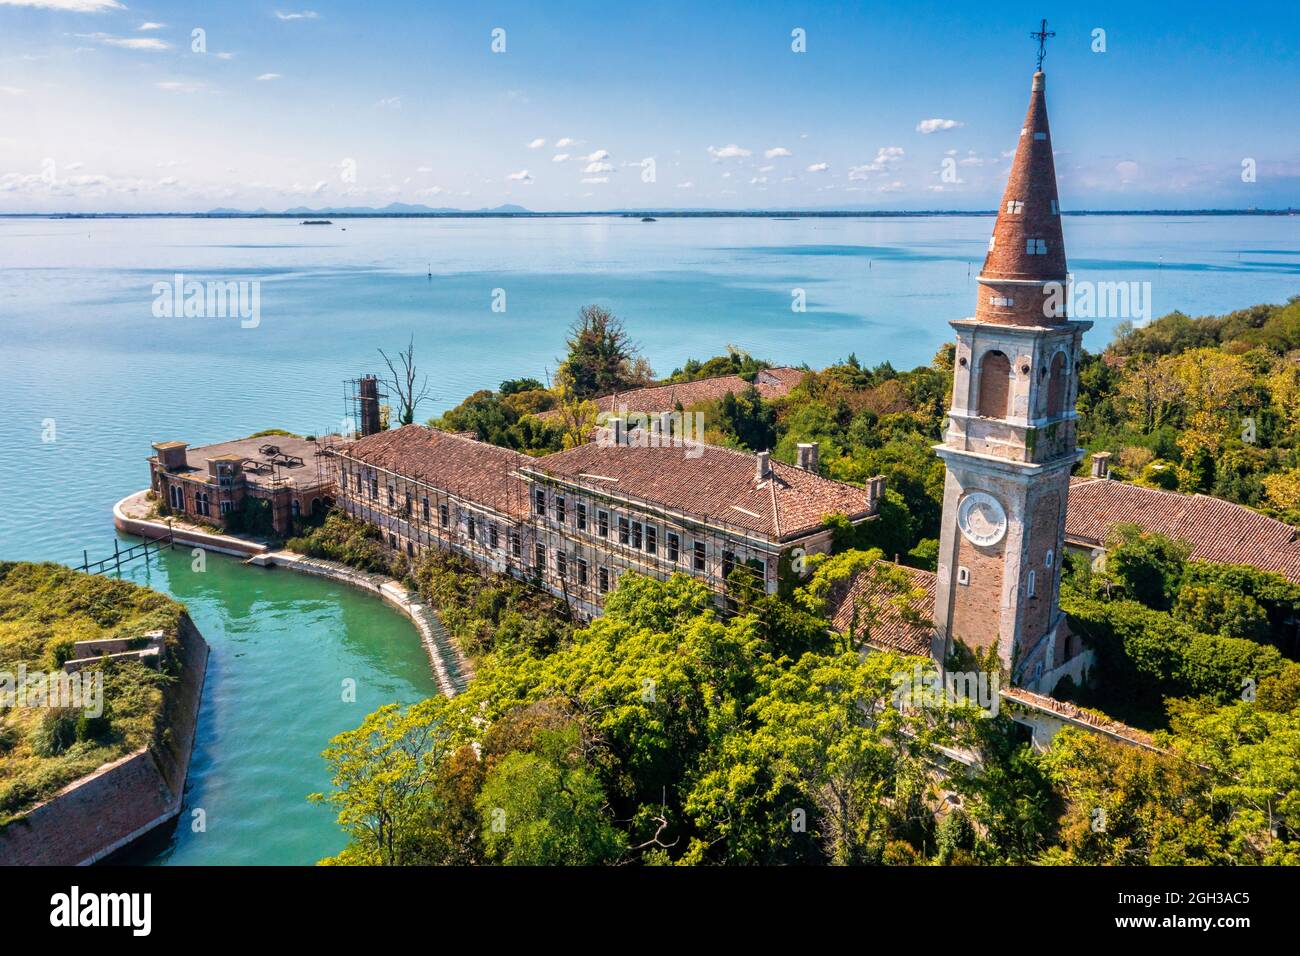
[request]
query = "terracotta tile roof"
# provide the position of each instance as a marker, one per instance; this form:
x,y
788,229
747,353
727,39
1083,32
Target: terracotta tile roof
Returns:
x,y
771,383
718,485
892,631
1068,711
1217,530
468,468
1028,245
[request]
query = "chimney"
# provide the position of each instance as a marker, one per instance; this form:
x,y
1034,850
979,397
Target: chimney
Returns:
x,y
764,469
876,489
368,395
1101,464
171,454
616,431
808,456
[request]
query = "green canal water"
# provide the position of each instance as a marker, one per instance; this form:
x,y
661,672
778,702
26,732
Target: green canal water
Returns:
x,y
283,644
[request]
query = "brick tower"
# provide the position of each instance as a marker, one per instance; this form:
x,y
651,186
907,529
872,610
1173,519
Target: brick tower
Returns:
x,y
1010,443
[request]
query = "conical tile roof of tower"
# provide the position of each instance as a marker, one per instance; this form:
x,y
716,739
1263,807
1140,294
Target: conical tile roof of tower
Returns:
x,y
1027,250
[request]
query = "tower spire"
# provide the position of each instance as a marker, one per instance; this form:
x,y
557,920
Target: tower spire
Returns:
x,y
1026,256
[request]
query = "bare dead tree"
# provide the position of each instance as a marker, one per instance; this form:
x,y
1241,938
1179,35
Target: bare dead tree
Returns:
x,y
402,381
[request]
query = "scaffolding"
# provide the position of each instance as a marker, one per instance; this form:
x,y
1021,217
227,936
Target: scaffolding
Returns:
x,y
496,523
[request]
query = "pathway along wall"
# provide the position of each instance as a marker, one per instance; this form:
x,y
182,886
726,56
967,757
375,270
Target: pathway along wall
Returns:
x,y
120,802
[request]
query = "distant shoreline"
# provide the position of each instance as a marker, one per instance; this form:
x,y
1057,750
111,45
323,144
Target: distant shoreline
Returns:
x,y
636,214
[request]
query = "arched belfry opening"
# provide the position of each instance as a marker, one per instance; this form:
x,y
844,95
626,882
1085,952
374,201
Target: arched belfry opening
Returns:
x,y
994,384
1057,381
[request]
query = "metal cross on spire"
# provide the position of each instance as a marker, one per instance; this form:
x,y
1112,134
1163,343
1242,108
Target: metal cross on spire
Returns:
x,y
1041,36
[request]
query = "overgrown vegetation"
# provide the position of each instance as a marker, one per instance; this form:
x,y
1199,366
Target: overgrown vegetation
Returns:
x,y
44,609
355,543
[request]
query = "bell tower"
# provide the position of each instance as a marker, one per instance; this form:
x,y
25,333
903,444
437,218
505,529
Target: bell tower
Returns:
x,y
1010,442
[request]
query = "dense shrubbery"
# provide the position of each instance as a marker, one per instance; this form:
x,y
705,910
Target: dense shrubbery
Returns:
x,y
486,612
354,543
44,609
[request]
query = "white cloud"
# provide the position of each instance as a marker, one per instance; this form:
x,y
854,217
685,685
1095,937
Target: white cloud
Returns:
x,y
523,176
268,76
596,179
819,167
431,191
599,156
776,151
389,103
758,179
537,143
686,185
127,43
937,125
147,25
730,151
225,56
559,157
598,168
179,86
886,158
12,90
71,6
300,15
565,141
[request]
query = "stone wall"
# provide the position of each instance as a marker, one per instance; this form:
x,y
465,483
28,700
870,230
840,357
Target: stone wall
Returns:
x,y
121,801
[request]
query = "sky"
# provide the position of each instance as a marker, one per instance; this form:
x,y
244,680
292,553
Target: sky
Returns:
x,y
126,106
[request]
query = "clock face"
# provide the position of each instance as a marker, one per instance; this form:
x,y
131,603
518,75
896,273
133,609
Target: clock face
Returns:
x,y
982,519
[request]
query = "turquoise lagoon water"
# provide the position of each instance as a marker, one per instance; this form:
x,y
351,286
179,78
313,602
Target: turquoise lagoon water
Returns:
x,y
85,362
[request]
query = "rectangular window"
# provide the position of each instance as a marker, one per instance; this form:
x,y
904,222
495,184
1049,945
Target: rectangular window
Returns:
x,y
514,543
561,564
392,540
699,556
602,580
993,240
374,488
1056,209
636,535
410,503
561,511
492,537
1036,247
674,546
582,571
602,523
539,558
623,531
539,502
1002,300
1040,136
392,499
470,527
582,516
651,539
444,515
1015,206
226,507
424,507
1032,587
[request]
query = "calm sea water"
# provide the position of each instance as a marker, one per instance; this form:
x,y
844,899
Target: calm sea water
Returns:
x,y
87,365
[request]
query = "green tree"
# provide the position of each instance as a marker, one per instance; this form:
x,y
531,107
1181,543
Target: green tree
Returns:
x,y
602,357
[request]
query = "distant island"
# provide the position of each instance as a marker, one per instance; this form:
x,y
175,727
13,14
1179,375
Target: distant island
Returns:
x,y
414,211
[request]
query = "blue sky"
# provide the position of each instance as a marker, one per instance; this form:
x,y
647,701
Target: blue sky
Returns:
x,y
105,105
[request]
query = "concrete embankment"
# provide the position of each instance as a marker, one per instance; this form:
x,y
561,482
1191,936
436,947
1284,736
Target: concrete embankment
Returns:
x,y
120,802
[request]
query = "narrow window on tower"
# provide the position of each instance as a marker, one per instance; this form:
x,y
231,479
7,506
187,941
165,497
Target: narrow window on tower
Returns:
x,y
1032,584
963,575
1056,209
993,241
539,502
1040,136
1015,206
1050,558
1036,247
582,516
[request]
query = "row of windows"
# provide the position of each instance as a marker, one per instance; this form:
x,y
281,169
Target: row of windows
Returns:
x,y
1016,206
634,534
